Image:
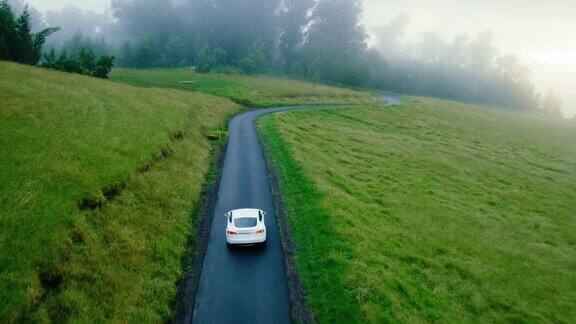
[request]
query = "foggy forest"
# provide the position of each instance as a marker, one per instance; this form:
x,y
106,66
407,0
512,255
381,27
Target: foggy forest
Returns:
x,y
322,41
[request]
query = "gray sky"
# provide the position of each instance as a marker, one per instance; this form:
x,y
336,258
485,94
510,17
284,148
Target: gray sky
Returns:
x,y
96,5
541,32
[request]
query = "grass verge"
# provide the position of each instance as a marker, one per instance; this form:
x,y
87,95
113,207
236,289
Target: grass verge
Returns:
x,y
100,182
194,257
250,91
431,211
289,186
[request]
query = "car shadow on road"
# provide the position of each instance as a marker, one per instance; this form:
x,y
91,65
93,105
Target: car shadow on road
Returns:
x,y
244,251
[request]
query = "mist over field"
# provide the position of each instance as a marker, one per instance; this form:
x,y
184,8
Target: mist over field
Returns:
x,y
540,34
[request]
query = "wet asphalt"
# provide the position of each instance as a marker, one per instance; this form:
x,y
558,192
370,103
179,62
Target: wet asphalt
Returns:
x,y
245,284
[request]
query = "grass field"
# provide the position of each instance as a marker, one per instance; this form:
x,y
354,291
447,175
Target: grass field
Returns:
x,y
430,211
98,187
252,91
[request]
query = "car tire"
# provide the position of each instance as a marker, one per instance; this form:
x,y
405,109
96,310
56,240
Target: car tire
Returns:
x,y
229,246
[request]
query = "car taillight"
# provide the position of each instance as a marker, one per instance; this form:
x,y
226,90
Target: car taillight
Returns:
x,y
260,231
232,233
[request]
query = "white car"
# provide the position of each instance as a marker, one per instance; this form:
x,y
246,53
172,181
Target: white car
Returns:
x,y
245,226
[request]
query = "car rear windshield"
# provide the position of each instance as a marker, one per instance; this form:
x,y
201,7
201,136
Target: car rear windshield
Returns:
x,y
245,222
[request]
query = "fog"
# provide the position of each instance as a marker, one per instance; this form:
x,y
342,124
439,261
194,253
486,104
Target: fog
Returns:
x,y
540,33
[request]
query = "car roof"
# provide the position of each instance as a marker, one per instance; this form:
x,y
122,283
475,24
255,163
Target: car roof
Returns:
x,y
246,212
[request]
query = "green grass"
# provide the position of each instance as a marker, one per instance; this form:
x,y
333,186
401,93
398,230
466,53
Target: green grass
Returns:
x,y
253,91
142,153
430,211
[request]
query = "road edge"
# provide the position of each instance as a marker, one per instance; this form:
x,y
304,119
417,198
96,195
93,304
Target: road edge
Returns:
x,y
185,301
196,247
299,310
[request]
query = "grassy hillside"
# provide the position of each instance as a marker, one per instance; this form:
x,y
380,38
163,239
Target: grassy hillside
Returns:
x,y
430,211
253,91
98,186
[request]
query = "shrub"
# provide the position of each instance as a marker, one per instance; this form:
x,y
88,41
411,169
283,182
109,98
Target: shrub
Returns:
x,y
104,66
85,64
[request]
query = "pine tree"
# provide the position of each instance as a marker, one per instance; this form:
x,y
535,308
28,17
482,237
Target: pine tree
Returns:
x,y
50,59
7,36
87,61
22,48
127,55
17,42
61,62
3,49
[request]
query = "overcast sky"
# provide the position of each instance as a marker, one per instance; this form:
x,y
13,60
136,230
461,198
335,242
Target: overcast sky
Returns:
x,y
541,32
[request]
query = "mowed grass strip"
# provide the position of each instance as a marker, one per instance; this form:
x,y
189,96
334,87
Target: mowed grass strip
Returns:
x,y
252,91
140,156
430,211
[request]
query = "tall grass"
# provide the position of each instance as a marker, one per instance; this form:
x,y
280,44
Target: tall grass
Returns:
x,y
98,187
430,211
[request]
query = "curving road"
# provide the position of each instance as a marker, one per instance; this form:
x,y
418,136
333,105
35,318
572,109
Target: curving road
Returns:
x,y
245,285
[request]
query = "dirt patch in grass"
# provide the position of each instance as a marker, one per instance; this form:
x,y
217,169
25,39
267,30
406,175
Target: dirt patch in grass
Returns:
x,y
108,194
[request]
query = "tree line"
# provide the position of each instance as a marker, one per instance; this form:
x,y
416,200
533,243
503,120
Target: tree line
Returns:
x,y
19,44
464,68
319,40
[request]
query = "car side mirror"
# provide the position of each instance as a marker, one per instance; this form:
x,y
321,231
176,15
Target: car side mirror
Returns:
x,y
227,214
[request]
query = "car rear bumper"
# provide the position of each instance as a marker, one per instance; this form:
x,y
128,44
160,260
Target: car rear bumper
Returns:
x,y
246,239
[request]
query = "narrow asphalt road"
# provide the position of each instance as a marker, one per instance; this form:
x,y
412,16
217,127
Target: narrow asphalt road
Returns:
x,y
245,285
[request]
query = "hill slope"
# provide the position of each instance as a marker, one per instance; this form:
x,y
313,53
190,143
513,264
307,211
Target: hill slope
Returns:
x,y
430,211
99,181
252,91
